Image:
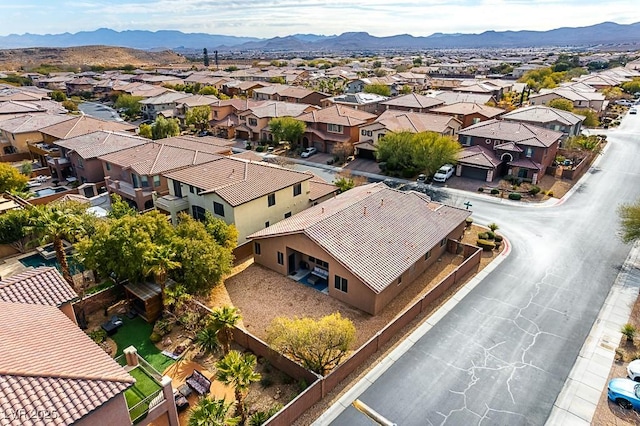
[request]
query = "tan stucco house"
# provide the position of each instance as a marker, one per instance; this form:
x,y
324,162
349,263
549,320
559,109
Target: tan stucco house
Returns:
x,y
369,243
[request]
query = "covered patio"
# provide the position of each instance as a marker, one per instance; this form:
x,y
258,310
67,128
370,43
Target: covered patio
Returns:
x,y
146,299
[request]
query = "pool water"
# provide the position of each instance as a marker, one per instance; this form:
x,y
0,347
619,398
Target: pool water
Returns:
x,y
48,191
35,260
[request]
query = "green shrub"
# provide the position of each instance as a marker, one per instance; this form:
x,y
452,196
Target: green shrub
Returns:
x,y
468,221
155,337
495,191
259,148
98,335
493,226
486,245
248,146
629,330
483,235
490,235
302,385
515,196
162,326
534,190
481,189
498,238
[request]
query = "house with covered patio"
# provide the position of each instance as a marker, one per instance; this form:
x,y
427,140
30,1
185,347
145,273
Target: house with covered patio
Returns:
x,y
366,245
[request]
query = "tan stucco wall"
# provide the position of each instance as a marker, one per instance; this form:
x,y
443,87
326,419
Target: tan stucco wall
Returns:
x,y
19,140
67,309
112,413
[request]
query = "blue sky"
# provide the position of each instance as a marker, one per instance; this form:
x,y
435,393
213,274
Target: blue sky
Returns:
x,y
270,18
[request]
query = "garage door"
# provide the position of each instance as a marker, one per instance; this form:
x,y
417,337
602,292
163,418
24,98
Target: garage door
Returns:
x,y
319,146
366,153
473,173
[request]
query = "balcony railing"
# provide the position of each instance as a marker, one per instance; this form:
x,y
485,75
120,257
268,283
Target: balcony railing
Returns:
x,y
139,410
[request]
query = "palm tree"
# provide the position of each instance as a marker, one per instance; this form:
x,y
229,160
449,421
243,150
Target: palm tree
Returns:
x,y
223,320
207,339
52,224
159,261
238,370
211,412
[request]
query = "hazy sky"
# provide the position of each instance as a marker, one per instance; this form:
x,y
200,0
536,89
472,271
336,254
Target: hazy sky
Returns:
x,y
270,18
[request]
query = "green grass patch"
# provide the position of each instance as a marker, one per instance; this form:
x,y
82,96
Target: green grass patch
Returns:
x,y
145,386
135,332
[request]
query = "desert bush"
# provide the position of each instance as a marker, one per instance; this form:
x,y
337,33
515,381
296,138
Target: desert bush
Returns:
x,y
515,196
498,238
481,189
162,326
534,190
490,235
485,245
629,330
98,335
482,236
155,337
495,191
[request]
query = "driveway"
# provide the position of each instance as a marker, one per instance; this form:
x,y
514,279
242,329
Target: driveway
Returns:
x,y
503,353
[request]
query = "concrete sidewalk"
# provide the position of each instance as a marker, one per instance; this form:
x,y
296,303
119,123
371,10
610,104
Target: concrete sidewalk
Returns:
x,y
577,402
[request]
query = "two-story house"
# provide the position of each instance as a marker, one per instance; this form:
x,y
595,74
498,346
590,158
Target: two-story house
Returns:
x,y
332,125
83,152
568,123
168,101
368,102
413,102
469,112
136,173
19,133
286,93
247,194
402,121
498,148
580,99
224,115
254,122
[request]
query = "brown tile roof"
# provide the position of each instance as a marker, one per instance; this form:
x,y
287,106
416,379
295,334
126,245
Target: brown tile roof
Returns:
x,y
39,286
374,231
510,131
12,107
338,114
208,144
82,125
319,188
237,181
99,143
32,122
543,114
157,157
466,108
248,155
454,97
478,156
398,121
278,109
413,100
72,377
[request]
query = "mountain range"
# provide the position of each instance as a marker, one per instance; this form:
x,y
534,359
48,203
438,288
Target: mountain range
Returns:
x,y
606,33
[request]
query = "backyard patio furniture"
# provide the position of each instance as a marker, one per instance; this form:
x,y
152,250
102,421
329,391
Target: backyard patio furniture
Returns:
x,y
318,274
199,383
112,325
181,401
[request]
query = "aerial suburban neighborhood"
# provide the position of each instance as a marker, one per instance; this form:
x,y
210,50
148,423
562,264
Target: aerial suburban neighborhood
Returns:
x,y
263,233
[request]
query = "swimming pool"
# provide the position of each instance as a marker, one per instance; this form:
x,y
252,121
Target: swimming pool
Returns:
x,y
35,261
48,191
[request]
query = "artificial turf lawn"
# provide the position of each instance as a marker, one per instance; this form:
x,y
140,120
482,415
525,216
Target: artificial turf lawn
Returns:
x,y
135,332
144,387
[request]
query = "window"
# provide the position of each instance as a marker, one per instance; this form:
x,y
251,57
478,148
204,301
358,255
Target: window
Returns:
x,y
297,189
135,180
475,120
81,163
271,199
363,132
253,122
369,132
528,152
312,259
218,209
107,165
144,181
280,258
341,283
322,263
427,255
400,280
256,248
192,189
198,212
334,128
177,188
443,242
198,191
466,140
266,224
286,215
156,181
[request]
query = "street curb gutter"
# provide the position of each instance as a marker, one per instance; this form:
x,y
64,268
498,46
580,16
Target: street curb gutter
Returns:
x,y
363,384
577,402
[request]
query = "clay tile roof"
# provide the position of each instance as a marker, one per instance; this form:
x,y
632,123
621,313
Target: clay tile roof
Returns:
x,y
374,231
32,123
82,125
158,157
338,114
39,286
398,121
511,131
413,100
237,181
99,143
543,114
466,108
73,377
248,155
478,156
319,188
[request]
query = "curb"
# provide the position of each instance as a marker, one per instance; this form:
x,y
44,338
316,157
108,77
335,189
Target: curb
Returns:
x,y
577,402
363,384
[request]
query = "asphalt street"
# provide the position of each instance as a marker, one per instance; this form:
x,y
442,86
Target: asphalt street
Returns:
x,y
501,355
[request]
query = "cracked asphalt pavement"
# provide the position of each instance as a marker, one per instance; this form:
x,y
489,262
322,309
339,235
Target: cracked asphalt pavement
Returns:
x,y
503,353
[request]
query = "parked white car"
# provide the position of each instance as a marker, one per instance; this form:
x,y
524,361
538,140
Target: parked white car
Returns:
x,y
444,173
308,152
633,370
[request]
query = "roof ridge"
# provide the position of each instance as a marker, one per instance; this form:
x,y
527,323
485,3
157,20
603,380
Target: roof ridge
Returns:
x,y
105,378
74,125
155,160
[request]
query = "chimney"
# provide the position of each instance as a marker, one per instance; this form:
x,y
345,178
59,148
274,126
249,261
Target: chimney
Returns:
x,y
381,202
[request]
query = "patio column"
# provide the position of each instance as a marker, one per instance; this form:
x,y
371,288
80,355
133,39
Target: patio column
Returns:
x,y
131,355
167,391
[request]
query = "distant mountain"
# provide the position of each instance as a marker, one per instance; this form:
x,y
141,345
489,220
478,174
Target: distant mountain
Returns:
x,y
604,33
